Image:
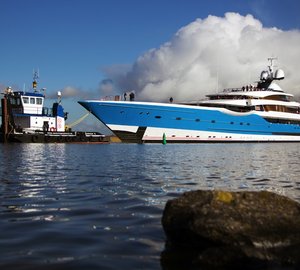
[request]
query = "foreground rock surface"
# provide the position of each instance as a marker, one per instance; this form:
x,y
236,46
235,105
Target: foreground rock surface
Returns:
x,y
221,229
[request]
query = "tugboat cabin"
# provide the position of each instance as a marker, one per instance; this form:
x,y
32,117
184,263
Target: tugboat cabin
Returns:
x,y
29,114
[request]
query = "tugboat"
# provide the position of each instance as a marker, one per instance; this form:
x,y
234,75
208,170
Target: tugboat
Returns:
x,y
26,120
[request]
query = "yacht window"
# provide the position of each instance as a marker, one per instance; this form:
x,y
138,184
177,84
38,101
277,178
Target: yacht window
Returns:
x,y
25,100
32,100
39,101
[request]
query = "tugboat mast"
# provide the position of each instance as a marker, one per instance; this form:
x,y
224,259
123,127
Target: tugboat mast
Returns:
x,y
35,80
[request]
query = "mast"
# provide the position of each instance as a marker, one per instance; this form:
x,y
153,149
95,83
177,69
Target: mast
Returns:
x,y
35,80
271,66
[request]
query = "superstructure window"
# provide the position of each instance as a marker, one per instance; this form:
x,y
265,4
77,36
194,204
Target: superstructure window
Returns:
x,y
12,101
39,101
25,100
32,100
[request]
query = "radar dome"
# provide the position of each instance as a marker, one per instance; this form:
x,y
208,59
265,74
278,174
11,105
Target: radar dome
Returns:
x,y
279,74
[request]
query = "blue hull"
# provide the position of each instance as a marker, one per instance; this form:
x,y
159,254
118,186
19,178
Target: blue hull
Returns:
x,y
143,121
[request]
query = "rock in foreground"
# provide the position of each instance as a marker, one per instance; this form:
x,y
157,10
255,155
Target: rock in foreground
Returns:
x,y
219,228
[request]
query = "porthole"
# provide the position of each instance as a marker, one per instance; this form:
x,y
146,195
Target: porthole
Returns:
x,y
197,120
213,121
231,123
178,118
158,116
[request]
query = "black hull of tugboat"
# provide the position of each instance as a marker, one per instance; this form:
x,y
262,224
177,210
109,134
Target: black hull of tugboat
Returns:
x,y
57,137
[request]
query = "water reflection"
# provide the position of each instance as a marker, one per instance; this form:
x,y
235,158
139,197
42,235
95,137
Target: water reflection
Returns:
x,y
91,203
34,177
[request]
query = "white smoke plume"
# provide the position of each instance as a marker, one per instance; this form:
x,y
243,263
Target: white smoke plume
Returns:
x,y
210,54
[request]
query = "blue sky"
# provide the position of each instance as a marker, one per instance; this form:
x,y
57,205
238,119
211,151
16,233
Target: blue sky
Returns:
x,y
73,42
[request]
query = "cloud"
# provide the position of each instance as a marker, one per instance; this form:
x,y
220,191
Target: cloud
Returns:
x,y
106,87
208,55
71,92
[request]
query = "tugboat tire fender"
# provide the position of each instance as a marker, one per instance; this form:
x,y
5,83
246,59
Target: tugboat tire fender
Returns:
x,y
34,138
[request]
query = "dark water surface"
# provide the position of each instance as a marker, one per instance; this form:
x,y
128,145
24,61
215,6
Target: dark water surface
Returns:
x,y
69,206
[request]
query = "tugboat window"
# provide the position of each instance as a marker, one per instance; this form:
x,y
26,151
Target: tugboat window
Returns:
x,y
25,100
32,100
39,101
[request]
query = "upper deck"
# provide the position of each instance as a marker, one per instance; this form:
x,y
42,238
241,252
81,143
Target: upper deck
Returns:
x,y
26,102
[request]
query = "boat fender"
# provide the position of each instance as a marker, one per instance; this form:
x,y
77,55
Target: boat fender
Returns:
x,y
82,137
52,129
34,138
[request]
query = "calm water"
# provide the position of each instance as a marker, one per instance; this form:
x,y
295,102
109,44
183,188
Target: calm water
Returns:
x,y
69,206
